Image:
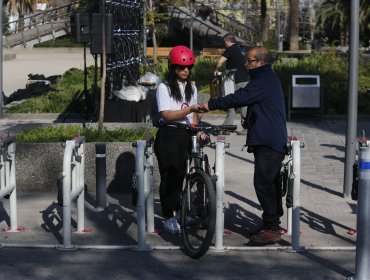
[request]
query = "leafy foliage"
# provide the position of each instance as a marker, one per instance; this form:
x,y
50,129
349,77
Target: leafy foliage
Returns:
x,y
333,71
67,95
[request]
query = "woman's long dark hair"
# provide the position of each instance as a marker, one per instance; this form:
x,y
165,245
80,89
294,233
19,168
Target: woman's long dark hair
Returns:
x,y
174,85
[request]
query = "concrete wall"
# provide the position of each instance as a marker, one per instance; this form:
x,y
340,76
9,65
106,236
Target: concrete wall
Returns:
x,y
38,165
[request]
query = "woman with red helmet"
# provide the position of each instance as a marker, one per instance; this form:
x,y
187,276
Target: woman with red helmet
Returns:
x,y
177,102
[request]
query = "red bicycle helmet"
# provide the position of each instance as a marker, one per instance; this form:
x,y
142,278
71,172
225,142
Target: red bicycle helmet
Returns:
x,y
181,55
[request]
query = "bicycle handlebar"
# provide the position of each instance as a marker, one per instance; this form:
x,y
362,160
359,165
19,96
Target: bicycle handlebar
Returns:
x,y
202,127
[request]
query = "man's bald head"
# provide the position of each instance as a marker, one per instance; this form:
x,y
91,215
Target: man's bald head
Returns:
x,y
261,54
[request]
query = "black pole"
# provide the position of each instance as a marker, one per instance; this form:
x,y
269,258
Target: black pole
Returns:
x,y
87,100
101,175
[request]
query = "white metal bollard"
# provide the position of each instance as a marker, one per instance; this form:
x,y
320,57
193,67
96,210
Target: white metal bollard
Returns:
x,y
220,184
296,211
363,216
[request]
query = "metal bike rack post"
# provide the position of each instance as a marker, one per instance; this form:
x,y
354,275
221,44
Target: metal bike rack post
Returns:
x,y
145,200
101,174
363,216
148,188
73,188
7,180
220,184
296,211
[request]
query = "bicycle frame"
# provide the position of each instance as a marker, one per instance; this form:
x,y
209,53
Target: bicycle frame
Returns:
x,y
197,152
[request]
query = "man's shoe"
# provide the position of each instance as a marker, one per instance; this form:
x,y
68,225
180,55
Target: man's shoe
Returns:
x,y
172,226
266,236
242,132
256,231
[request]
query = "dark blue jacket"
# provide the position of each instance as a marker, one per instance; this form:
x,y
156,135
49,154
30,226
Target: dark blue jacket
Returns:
x,y
266,108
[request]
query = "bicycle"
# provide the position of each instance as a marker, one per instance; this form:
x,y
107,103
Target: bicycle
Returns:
x,y
222,84
198,199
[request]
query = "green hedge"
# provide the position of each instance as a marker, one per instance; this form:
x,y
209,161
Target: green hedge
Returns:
x,y
333,71
62,133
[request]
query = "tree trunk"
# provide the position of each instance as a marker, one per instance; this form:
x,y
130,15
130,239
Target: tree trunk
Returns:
x,y
104,72
294,24
264,31
312,21
154,37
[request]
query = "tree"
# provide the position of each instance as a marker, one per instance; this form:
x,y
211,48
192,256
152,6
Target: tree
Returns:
x,y
154,22
264,27
294,24
22,7
334,15
334,18
103,70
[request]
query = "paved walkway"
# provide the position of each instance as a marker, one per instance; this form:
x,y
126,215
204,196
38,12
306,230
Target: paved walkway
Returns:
x,y
326,217
326,220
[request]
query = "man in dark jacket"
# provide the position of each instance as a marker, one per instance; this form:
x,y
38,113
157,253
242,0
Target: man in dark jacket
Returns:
x,y
266,138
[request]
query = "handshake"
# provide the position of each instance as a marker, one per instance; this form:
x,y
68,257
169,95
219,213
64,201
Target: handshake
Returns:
x,y
196,108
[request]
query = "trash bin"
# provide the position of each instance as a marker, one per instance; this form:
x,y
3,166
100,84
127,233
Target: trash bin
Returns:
x,y
305,94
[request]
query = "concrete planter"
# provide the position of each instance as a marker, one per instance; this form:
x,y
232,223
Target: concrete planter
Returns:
x,y
38,165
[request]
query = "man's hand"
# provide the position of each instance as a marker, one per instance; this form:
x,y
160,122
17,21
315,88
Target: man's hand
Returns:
x,y
196,108
204,107
244,122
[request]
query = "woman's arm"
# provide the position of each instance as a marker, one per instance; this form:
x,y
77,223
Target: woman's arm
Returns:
x,y
173,115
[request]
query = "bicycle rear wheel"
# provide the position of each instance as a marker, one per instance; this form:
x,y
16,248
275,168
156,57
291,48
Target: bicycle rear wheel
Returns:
x,y
198,214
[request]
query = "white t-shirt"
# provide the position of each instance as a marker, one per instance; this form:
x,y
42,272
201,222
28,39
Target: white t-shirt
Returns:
x,y
166,102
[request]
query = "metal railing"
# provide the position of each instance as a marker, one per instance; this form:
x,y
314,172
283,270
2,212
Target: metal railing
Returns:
x,y
176,11
35,26
143,186
247,33
73,188
7,180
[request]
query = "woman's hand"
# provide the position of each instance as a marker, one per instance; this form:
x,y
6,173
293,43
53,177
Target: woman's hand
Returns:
x,y
196,108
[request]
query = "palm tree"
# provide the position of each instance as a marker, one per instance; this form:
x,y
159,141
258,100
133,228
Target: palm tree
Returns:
x,y
336,13
365,21
22,7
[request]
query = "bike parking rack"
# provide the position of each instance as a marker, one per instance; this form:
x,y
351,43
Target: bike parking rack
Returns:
x,y
73,188
294,212
7,180
220,186
143,184
363,207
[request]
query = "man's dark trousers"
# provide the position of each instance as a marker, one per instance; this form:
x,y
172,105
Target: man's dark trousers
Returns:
x,y
267,165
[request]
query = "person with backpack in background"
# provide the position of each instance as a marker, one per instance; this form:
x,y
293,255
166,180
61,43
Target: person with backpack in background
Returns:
x,y
177,103
234,58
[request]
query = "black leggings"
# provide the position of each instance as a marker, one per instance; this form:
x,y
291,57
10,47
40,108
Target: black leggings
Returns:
x,y
267,165
171,148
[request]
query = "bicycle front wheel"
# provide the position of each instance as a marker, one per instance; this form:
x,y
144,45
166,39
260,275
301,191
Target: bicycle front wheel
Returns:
x,y
198,214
